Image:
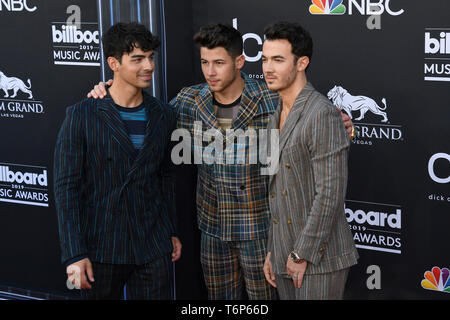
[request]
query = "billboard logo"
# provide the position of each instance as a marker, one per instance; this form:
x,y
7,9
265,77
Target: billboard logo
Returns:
x,y
327,7
70,34
23,184
75,43
7,175
437,54
437,280
437,45
375,226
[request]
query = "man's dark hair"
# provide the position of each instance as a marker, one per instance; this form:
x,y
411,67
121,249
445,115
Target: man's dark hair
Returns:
x,y
124,37
220,35
298,37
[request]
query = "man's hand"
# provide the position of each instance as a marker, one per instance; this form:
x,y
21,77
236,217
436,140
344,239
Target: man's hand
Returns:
x,y
348,125
296,271
268,272
76,273
99,90
176,253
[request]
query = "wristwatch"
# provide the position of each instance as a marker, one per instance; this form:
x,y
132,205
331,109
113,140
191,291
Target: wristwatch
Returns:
x,y
295,257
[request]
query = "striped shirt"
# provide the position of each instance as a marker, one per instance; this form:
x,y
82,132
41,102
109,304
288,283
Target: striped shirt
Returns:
x,y
135,121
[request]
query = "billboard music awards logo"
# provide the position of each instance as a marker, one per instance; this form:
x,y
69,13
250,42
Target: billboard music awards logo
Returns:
x,y
75,43
437,54
437,280
367,133
375,226
17,99
23,184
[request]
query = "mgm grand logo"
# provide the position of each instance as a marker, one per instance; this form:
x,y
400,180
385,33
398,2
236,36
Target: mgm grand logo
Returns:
x,y
366,133
17,98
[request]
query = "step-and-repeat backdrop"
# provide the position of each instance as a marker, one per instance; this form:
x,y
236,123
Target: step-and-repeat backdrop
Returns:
x,y
385,63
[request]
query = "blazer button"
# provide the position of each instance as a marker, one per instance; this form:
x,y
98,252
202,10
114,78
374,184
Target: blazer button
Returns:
x,y
289,221
288,165
242,187
272,195
275,221
285,193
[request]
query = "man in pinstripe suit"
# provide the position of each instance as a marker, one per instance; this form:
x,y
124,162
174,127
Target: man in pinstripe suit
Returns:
x,y
310,247
113,188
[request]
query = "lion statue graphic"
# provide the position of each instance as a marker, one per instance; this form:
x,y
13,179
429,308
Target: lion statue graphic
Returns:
x,y
15,84
342,99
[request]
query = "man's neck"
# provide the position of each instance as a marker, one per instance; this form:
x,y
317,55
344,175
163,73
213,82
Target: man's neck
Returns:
x,y
290,94
232,92
125,95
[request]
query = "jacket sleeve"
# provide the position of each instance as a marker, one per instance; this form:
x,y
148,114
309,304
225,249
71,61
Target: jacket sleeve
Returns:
x,y
328,145
68,168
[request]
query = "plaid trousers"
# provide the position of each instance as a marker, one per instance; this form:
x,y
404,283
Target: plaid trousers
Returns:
x,y
230,267
150,281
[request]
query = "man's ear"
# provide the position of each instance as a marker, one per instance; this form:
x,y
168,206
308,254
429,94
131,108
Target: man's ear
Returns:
x,y
239,62
113,63
302,63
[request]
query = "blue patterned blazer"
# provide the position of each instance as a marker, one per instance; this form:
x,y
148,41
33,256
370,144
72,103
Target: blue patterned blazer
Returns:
x,y
114,204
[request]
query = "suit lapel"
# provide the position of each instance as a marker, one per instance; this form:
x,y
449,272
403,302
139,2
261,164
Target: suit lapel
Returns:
x,y
205,108
154,116
249,106
273,125
294,115
291,121
112,119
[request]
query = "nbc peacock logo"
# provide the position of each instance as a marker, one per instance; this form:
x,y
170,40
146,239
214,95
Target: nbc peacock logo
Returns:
x,y
327,7
437,280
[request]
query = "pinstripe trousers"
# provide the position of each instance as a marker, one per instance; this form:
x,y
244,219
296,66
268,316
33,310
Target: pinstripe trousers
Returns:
x,y
150,281
325,286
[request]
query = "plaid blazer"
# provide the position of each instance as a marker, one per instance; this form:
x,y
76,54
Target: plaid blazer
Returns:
x,y
113,205
232,197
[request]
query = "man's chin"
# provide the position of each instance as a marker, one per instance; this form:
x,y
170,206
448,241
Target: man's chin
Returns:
x,y
272,86
144,84
215,88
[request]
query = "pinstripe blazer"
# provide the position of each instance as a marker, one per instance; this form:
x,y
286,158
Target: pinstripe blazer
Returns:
x,y
307,193
113,204
232,199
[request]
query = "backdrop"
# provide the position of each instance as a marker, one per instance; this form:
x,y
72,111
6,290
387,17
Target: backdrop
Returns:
x,y
386,63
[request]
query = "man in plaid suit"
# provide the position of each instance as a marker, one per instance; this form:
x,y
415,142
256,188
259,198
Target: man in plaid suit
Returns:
x,y
232,198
